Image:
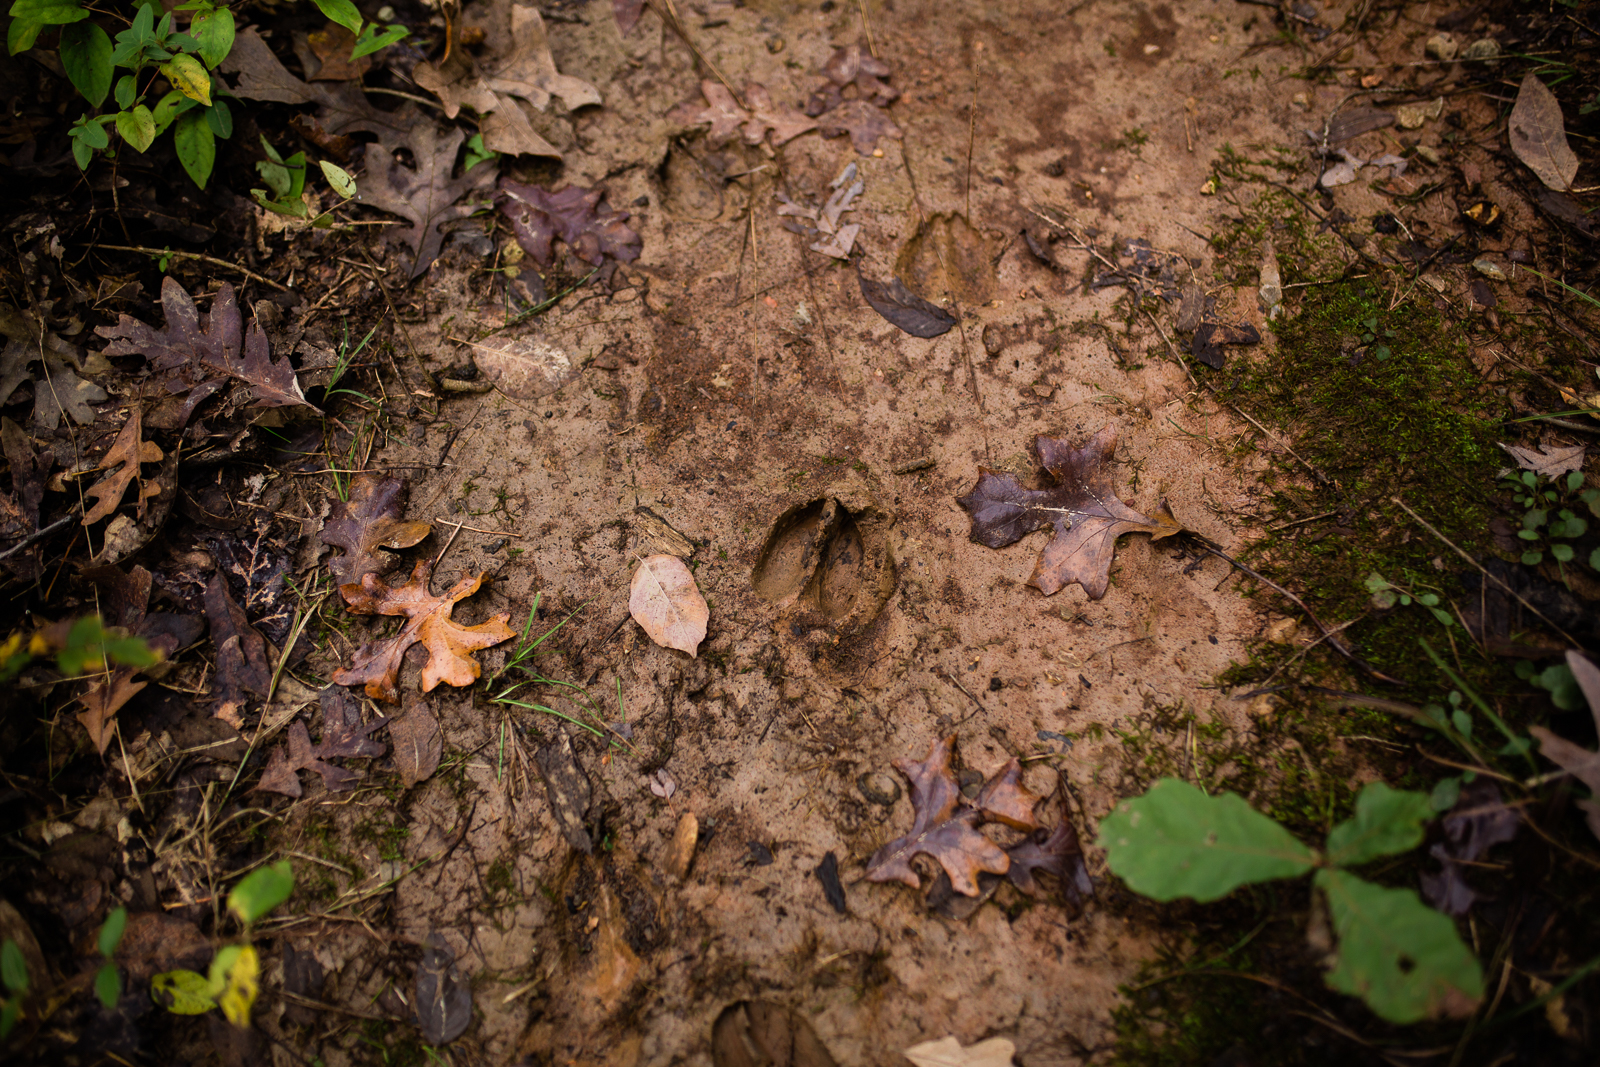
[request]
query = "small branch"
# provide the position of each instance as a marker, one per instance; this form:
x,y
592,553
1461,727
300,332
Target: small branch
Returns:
x,y
213,260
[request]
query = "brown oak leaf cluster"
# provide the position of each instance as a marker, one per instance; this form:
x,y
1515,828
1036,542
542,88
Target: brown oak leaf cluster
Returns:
x,y
853,97
945,827
1081,507
757,117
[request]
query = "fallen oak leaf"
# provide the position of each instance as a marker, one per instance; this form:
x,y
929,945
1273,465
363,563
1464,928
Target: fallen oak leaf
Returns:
x,y
344,107
943,826
242,665
1081,507
449,643
722,112
667,604
366,524
426,196
862,121
122,459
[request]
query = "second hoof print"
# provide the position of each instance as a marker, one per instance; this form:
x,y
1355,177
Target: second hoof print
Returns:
x,y
828,562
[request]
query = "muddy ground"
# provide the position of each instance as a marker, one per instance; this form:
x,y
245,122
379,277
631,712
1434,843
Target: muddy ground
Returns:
x,y
730,390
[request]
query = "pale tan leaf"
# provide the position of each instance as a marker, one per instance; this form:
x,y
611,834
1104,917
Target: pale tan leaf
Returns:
x,y
947,1052
665,601
1548,462
1539,135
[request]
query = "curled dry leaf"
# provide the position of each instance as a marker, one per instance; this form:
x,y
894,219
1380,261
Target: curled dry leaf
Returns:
x,y
122,459
242,666
667,604
1081,507
947,1052
368,523
945,824
517,65
1538,135
904,308
449,644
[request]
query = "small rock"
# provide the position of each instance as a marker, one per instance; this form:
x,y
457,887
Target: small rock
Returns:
x,y
1443,46
680,854
1428,153
1270,295
994,339
1412,116
1489,269
624,296
1301,101
1486,49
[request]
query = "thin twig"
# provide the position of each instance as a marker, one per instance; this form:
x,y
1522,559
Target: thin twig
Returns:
x,y
213,260
40,535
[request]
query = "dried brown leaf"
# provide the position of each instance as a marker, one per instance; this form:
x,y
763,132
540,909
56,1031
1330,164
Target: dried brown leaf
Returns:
x,y
368,523
242,666
426,196
418,743
864,122
943,827
1081,507
580,217
193,348
904,308
102,702
343,106
1538,135
666,603
449,644
1004,798
517,65
122,459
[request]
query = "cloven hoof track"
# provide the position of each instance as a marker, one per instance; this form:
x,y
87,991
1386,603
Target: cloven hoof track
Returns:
x,y
753,1033
828,561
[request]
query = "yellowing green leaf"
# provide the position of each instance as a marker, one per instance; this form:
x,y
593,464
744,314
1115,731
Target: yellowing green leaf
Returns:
x,y
137,127
261,890
244,982
1386,821
182,992
340,179
188,77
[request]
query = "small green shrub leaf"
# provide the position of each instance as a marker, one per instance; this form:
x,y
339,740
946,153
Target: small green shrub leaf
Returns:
x,y
1396,953
13,968
196,145
188,77
213,32
343,12
12,1009
137,127
1176,841
1386,821
340,179
86,56
111,932
183,992
48,12
127,89
261,890
219,116
108,985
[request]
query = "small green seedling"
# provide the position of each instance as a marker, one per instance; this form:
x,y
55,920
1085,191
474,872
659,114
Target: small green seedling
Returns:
x,y
82,647
1386,594
14,975
1375,338
286,180
108,980
369,38
1394,952
1549,522
234,977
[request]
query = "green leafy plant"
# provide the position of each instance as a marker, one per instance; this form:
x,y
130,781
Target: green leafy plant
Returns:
x,y
286,180
369,38
1549,523
234,977
1393,951
14,975
81,646
1386,594
107,980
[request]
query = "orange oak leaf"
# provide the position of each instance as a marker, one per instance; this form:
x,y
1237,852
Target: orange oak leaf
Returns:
x,y
368,523
123,459
1081,507
449,644
944,827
